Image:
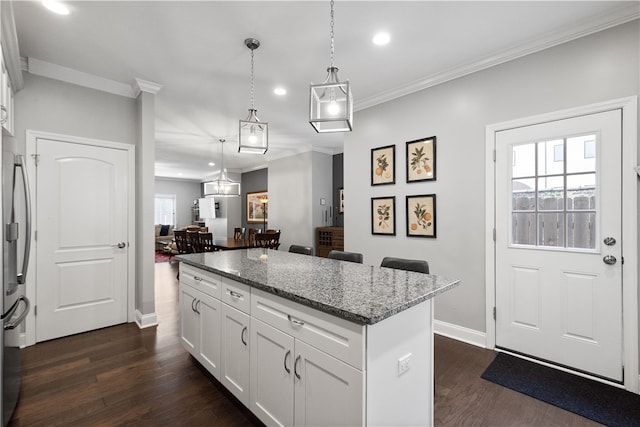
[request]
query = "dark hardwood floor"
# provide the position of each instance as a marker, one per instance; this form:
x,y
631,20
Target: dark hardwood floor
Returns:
x,y
126,376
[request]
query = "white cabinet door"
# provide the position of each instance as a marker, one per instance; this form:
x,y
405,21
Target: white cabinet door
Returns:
x,y
208,351
328,392
271,374
235,353
189,320
200,327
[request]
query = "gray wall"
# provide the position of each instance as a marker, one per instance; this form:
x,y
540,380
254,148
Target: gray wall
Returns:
x,y
596,68
252,181
49,105
338,182
185,191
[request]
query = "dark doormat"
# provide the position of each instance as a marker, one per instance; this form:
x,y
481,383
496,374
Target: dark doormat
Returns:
x,y
599,402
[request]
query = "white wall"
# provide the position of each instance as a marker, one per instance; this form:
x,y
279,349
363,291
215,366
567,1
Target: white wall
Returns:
x,y
596,68
296,185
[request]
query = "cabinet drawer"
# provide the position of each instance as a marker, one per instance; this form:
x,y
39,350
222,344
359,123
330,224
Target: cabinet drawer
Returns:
x,y
340,338
202,280
236,294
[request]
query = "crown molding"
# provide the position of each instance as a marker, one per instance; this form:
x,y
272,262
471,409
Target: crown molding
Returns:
x,y
140,85
69,75
10,49
617,17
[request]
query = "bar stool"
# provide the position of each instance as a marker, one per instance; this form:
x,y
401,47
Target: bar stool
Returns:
x,y
346,256
416,265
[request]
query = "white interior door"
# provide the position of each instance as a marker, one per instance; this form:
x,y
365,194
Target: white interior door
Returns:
x,y
558,242
82,239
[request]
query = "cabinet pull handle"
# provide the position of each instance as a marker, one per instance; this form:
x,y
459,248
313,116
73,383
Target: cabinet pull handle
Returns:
x,y
193,307
242,336
235,294
198,307
286,355
295,367
295,321
197,279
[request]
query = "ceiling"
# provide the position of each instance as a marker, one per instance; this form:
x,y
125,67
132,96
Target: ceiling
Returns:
x,y
196,52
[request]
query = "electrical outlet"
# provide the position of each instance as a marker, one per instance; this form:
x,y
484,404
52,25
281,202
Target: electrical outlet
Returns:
x,y
404,363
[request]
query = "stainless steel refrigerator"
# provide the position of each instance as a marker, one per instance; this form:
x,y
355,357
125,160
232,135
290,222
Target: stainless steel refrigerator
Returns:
x,y
16,232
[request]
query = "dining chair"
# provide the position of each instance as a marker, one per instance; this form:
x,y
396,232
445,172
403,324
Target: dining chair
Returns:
x,y
193,241
346,256
416,265
206,241
299,249
267,240
181,241
238,233
253,232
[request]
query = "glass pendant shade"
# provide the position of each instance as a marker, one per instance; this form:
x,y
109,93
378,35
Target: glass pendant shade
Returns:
x,y
223,186
254,135
331,104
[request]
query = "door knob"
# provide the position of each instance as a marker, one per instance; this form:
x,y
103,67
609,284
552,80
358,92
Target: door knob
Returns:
x,y
119,245
609,259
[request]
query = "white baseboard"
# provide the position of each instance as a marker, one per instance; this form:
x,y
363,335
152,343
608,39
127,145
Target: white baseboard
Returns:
x,y
146,320
460,333
23,340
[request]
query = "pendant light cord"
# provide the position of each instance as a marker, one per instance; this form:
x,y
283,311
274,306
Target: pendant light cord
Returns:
x,y
252,97
332,43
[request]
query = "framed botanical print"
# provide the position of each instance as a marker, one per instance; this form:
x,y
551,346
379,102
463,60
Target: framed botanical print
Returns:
x,y
383,169
421,160
421,215
383,215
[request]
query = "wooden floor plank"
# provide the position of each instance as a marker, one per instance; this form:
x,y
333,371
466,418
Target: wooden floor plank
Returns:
x,y
124,376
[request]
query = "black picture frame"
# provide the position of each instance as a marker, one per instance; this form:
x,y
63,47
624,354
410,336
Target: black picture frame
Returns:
x,y
421,159
383,165
383,215
421,215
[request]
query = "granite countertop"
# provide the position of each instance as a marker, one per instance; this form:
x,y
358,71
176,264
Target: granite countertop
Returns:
x,y
356,292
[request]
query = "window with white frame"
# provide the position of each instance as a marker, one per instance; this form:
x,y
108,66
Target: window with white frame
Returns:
x,y
165,209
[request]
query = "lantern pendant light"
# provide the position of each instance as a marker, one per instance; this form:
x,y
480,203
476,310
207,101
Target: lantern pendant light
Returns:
x,y
330,102
254,134
223,186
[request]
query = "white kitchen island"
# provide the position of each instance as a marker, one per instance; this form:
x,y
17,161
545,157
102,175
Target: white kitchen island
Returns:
x,y
310,341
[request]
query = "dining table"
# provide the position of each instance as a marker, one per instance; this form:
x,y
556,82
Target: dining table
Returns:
x,y
230,243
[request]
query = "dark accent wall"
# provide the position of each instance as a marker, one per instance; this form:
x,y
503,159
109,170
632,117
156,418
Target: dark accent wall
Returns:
x,y
252,181
338,182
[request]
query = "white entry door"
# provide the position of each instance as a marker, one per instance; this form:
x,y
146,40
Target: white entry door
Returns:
x,y
82,239
558,242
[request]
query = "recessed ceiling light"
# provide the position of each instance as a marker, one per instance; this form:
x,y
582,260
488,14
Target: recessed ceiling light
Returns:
x,y
211,164
381,39
280,91
56,7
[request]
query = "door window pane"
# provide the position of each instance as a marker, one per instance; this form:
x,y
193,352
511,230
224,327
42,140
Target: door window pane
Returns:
x,y
553,192
550,157
524,160
578,148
